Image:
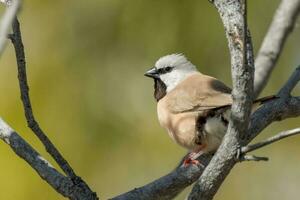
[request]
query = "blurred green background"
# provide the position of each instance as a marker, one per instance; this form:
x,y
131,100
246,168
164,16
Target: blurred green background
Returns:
x,y
86,61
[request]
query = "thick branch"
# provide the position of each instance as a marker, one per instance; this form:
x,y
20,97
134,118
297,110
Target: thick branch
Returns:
x,y
233,15
275,110
270,140
6,20
63,185
281,26
167,187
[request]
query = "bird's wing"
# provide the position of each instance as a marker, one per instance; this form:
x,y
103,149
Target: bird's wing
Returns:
x,y
197,93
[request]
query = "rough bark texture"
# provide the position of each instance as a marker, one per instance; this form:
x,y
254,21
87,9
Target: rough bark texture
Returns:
x,y
233,15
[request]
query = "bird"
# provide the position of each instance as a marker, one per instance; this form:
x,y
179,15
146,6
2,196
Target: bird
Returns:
x,y
193,107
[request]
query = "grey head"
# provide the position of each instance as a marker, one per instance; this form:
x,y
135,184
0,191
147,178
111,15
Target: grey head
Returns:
x,y
169,71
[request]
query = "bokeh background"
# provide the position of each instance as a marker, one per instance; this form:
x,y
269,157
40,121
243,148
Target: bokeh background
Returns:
x,y
86,61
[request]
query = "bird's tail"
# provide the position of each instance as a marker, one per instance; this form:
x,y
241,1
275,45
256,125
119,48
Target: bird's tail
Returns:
x,y
260,101
265,99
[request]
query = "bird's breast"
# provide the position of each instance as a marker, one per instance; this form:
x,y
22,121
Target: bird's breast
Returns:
x,y
180,126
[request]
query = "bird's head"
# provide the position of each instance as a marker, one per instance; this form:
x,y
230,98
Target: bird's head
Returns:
x,y
170,70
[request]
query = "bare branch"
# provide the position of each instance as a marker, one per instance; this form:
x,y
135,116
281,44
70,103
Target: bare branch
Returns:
x,y
168,186
280,28
233,15
276,110
24,89
6,21
252,158
31,121
290,84
63,185
270,140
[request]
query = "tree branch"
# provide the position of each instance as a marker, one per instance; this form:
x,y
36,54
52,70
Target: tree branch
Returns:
x,y
252,158
282,25
233,15
63,185
277,109
275,138
6,20
168,186
290,84
16,39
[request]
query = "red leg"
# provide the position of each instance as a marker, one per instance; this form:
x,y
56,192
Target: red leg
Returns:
x,y
192,157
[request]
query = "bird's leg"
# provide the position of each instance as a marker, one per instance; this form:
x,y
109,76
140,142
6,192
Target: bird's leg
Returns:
x,y
200,140
192,157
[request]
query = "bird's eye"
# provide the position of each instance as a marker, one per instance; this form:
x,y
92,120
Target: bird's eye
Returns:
x,y
168,69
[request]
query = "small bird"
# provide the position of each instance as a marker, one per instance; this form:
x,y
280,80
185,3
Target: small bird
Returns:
x,y
194,108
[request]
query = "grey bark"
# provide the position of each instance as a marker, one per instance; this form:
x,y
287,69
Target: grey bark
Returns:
x,y
16,39
233,15
282,25
62,184
275,138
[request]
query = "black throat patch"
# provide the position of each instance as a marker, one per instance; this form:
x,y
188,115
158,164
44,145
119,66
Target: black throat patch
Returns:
x,y
160,89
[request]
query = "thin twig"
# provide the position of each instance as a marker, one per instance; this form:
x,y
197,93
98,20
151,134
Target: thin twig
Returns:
x,y
6,21
252,158
24,89
270,140
282,25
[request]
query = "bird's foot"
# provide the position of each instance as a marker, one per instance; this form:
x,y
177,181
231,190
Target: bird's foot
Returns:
x,y
189,161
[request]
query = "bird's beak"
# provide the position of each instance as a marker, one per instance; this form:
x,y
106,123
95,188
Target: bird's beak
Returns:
x,y
152,73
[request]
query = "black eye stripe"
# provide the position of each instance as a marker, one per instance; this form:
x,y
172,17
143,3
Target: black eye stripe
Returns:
x,y
165,70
